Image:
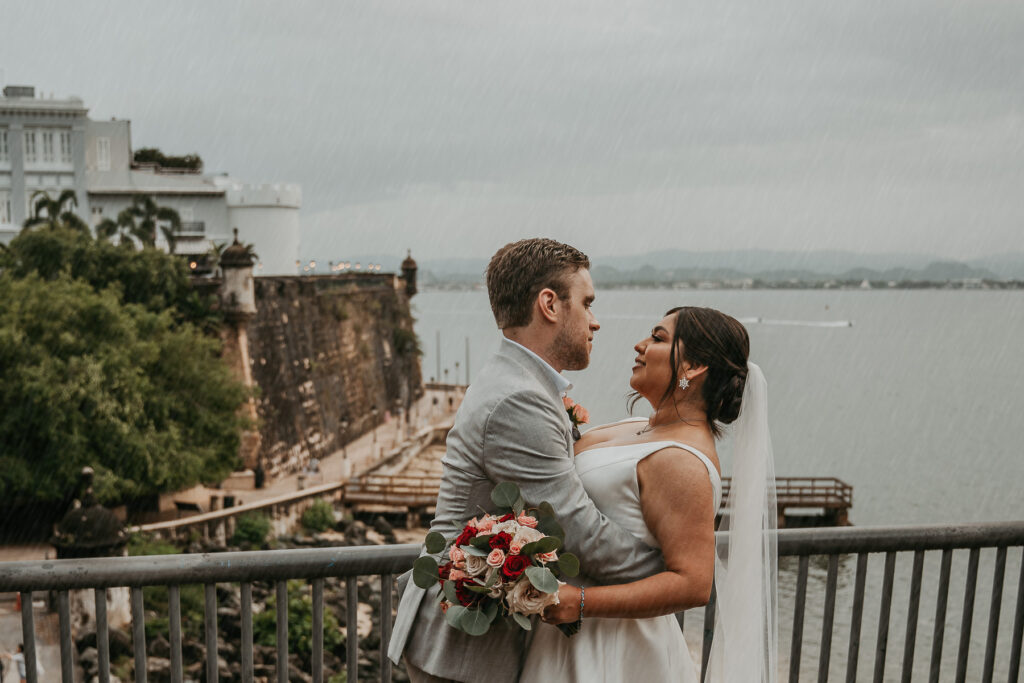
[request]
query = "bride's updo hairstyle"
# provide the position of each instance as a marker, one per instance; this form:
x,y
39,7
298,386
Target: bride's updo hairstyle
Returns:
x,y
719,341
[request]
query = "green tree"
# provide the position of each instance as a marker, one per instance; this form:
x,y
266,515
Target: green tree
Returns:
x,y
87,379
149,277
54,214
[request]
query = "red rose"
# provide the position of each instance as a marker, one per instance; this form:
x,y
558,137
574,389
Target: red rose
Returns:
x,y
466,597
506,518
514,566
468,534
501,541
444,570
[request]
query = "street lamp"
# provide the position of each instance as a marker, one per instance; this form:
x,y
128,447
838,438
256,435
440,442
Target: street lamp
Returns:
x,y
456,372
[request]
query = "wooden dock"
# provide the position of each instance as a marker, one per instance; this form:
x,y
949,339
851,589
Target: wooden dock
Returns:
x,y
802,501
807,501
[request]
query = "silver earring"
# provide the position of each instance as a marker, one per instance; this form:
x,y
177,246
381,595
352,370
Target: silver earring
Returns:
x,y
683,382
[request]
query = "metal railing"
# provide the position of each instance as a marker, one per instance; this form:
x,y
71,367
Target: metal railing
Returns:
x,y
384,562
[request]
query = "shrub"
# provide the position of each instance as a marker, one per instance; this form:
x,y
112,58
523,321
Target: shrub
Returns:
x,y
300,623
318,517
251,529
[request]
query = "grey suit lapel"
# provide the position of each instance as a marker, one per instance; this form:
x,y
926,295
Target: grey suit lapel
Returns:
x,y
514,354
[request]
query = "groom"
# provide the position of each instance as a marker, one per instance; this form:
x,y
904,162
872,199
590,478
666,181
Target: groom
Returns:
x,y
512,426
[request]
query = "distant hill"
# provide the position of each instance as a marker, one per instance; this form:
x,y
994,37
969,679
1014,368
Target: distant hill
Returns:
x,y
673,265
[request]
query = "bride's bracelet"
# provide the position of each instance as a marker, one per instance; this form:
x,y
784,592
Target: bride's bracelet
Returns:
x,y
579,622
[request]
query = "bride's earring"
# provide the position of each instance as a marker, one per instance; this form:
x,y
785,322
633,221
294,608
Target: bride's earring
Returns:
x,y
683,382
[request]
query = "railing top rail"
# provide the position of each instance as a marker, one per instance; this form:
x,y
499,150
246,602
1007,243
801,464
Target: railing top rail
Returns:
x,y
257,565
273,565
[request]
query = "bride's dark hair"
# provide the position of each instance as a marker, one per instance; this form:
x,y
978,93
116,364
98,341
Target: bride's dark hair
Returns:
x,y
720,342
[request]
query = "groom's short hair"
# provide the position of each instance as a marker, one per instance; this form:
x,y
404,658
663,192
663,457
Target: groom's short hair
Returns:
x,y
520,270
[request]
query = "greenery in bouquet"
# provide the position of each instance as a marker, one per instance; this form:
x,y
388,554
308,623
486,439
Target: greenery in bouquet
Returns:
x,y
502,566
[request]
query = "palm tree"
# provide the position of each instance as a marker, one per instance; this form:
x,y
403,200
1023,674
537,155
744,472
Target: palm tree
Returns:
x,y
122,227
148,215
55,213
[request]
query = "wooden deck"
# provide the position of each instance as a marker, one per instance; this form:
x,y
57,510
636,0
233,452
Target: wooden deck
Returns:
x,y
802,501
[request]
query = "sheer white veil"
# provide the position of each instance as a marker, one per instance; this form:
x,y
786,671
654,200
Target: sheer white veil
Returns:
x,y
745,644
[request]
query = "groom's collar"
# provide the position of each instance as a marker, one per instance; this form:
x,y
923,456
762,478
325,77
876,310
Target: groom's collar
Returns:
x,y
562,385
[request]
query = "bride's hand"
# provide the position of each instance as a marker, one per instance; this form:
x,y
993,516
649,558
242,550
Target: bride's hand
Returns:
x,y
568,608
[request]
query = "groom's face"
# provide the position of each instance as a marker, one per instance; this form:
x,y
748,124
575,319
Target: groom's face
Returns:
x,y
577,325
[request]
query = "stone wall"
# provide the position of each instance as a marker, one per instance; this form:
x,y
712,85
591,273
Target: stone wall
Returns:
x,y
324,350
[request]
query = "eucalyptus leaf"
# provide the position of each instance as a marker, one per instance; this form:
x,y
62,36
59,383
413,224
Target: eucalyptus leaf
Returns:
x,y
475,552
478,589
549,527
545,510
491,611
424,572
481,541
517,508
434,542
542,579
505,495
449,592
493,578
569,564
523,621
474,622
544,545
454,616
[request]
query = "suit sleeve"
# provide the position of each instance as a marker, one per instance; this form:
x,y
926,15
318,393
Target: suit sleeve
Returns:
x,y
524,442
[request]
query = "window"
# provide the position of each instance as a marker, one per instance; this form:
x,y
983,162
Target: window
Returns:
x,y
97,214
65,147
30,147
5,151
103,154
5,207
48,156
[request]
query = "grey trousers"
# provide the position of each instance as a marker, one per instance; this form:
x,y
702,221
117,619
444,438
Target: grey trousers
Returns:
x,y
417,675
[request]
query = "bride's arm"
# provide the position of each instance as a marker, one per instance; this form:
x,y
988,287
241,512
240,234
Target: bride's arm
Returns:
x,y
677,502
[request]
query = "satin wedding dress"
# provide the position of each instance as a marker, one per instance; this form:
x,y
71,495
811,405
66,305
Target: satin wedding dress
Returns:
x,y
617,649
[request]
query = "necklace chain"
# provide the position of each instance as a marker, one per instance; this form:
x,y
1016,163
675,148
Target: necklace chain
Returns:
x,y
650,428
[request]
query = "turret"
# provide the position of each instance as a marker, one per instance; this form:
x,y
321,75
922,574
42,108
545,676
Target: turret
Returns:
x,y
409,274
238,295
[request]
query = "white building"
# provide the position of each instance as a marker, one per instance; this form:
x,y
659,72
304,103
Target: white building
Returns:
x,y
52,145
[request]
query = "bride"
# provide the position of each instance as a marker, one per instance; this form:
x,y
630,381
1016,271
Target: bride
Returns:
x,y
659,478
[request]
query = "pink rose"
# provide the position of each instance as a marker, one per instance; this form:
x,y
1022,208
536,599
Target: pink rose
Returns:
x,y
567,402
485,525
457,574
527,521
444,606
456,555
496,558
581,414
548,557
514,549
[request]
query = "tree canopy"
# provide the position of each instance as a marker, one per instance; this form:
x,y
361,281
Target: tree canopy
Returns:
x,y
153,155
102,364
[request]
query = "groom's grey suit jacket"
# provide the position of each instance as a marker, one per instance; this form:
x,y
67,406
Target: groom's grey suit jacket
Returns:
x,y
511,426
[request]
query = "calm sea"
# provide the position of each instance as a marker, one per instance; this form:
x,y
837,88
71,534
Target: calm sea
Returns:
x,y
912,397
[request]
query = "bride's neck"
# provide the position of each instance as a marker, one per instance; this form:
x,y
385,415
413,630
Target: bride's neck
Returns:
x,y
677,412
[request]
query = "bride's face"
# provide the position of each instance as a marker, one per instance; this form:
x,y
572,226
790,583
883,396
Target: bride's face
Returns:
x,y
652,371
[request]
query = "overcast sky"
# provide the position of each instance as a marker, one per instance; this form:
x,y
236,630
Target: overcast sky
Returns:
x,y
622,127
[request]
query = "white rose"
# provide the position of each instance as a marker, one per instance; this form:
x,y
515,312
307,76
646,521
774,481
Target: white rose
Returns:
x,y
510,527
525,599
475,566
526,535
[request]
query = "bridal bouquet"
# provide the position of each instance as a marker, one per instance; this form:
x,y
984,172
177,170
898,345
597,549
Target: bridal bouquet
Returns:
x,y
501,566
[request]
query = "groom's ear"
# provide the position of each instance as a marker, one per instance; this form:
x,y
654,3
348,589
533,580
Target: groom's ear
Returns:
x,y
547,305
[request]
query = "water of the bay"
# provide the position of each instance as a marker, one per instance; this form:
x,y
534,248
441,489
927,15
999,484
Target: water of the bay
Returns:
x,y
911,396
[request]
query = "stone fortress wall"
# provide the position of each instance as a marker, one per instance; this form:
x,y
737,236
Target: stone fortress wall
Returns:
x,y
323,351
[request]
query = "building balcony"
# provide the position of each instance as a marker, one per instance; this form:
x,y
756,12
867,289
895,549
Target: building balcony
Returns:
x,y
191,229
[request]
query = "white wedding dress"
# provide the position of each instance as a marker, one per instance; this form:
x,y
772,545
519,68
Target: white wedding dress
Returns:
x,y
617,649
